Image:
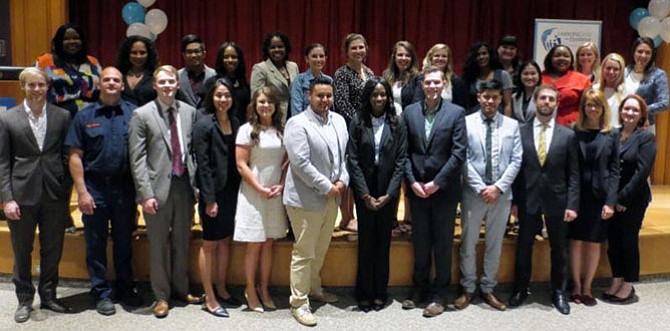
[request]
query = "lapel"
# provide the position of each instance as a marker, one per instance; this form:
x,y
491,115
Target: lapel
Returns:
x,y
624,146
24,122
419,124
315,126
386,134
439,116
160,118
51,125
185,86
599,140
274,72
528,140
186,122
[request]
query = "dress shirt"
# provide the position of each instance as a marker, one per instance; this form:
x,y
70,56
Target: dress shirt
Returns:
x,y
537,127
378,129
37,124
175,107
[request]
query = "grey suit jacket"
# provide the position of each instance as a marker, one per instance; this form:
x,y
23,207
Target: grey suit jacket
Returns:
x,y
26,173
308,180
265,73
186,93
509,159
151,149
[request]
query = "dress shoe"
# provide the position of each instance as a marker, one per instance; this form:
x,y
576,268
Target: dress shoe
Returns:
x,y
22,313
378,304
517,298
589,301
364,306
254,308
631,298
303,315
267,302
561,303
218,311
607,297
56,306
464,300
105,307
493,301
433,309
161,309
324,297
576,298
191,299
412,301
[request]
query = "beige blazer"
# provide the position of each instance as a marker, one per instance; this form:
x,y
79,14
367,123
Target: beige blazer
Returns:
x,y
265,73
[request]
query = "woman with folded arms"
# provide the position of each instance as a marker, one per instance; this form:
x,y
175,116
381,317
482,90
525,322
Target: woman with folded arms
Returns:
x,y
637,154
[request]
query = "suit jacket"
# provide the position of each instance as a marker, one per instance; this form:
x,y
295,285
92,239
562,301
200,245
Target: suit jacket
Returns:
x,y
186,93
509,156
654,90
636,155
554,186
517,109
213,156
361,158
440,156
26,173
151,149
265,73
308,180
605,175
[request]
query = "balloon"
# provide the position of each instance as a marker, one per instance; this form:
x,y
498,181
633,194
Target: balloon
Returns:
x,y
138,29
657,41
649,26
665,29
659,8
636,16
133,13
146,3
157,21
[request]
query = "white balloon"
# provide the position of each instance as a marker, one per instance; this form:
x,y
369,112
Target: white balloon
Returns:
x,y
659,8
649,26
146,3
665,29
138,29
157,21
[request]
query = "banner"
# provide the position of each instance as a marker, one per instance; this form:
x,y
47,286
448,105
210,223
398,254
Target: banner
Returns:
x,y
571,33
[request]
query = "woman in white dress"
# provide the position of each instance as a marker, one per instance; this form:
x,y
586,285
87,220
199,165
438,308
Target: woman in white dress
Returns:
x,y
261,218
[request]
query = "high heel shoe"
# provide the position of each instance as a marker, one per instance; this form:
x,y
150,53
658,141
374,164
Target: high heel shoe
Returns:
x,y
218,311
257,309
267,302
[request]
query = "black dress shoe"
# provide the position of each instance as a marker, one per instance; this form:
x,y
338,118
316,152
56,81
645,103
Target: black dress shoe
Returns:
x,y
55,306
561,303
631,298
364,306
517,298
378,304
22,313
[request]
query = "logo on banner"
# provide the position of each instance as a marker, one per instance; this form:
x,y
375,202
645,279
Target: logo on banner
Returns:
x,y
550,38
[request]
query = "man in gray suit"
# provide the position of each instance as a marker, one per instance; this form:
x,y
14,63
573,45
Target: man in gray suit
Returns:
x,y
316,142
193,76
33,188
493,161
163,170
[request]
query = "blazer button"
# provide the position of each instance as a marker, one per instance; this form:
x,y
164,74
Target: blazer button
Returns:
x,y
169,176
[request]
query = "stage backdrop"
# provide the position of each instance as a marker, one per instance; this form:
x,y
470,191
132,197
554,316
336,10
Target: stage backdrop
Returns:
x,y
382,22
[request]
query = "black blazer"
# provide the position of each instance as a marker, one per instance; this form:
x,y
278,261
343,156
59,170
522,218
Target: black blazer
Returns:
x,y
636,155
26,173
439,157
213,157
361,158
605,179
459,91
553,187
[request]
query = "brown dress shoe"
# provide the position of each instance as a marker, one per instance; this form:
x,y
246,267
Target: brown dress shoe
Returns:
x,y
191,299
161,309
433,309
492,301
463,301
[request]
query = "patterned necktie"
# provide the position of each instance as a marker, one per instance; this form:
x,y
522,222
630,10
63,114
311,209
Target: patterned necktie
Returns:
x,y
489,143
542,145
177,164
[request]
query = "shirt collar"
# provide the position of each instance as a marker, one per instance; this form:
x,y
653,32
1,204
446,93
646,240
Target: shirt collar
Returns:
x,y
165,107
425,107
377,121
494,119
318,117
537,123
30,112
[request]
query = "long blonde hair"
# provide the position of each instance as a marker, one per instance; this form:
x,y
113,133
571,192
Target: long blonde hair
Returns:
x,y
619,86
595,71
449,70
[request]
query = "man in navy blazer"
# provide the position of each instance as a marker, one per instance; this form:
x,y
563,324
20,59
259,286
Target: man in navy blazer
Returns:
x,y
436,147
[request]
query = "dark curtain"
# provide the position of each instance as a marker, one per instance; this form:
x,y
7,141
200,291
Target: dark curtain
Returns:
x,y
424,23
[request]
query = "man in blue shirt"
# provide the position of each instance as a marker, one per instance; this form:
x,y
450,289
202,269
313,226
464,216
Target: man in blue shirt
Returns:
x,y
98,141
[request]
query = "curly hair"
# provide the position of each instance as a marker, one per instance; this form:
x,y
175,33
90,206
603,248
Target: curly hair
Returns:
x,y
471,68
60,58
123,55
268,40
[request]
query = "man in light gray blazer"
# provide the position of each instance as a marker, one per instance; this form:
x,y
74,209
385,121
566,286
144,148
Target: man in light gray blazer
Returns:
x,y
316,142
493,161
194,75
163,170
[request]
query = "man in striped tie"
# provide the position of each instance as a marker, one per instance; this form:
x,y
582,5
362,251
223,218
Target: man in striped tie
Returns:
x,y
547,188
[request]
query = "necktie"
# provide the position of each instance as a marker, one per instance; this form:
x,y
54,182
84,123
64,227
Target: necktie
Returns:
x,y
177,164
489,142
542,145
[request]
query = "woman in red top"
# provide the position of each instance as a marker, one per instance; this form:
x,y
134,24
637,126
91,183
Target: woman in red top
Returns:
x,y
559,71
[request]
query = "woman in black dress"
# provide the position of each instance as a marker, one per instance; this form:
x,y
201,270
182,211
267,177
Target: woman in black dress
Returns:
x,y
376,149
637,154
218,181
599,165
137,59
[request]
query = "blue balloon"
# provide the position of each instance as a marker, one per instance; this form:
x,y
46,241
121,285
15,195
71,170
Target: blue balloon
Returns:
x,y
636,16
133,12
658,41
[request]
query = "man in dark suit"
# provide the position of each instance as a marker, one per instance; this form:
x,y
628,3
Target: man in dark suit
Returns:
x,y
34,190
436,150
163,170
547,187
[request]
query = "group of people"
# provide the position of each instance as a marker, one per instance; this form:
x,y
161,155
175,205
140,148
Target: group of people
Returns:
x,y
287,149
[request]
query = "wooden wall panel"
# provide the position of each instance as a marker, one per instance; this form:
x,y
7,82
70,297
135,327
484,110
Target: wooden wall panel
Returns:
x,y
33,23
661,171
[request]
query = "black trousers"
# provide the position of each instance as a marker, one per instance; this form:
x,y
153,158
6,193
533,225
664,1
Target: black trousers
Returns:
x,y
374,244
557,228
432,237
50,217
623,242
